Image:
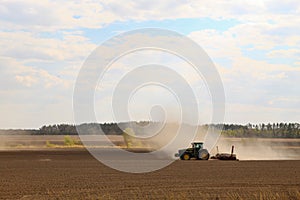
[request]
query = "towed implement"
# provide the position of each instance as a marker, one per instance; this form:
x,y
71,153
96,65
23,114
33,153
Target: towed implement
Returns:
x,y
225,156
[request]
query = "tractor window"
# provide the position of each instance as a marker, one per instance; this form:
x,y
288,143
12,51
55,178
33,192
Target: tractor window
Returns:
x,y
198,145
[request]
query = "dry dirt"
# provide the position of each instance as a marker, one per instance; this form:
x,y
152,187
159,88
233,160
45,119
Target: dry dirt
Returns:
x,y
75,174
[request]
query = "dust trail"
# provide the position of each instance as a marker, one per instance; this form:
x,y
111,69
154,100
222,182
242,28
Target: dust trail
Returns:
x,y
167,137
261,148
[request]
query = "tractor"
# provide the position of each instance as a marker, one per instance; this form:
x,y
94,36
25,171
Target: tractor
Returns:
x,y
196,151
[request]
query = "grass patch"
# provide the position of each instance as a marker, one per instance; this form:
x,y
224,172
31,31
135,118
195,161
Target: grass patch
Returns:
x,y
68,141
49,144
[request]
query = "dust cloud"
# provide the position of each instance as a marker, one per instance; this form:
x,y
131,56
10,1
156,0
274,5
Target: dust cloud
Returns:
x,y
260,148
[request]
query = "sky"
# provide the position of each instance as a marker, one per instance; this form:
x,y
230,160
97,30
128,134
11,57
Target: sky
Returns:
x,y
43,44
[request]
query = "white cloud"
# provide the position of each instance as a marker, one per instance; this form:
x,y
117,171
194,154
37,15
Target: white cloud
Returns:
x,y
54,15
26,45
285,53
29,76
26,80
253,81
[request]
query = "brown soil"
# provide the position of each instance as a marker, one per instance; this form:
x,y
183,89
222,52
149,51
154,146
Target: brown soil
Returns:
x,y
75,174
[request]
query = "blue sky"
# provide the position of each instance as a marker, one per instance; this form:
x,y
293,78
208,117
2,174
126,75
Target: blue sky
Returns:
x,y
254,45
183,26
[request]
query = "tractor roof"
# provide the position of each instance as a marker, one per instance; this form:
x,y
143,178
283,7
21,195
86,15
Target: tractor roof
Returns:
x,y
197,142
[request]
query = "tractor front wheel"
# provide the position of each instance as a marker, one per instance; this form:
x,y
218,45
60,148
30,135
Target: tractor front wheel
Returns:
x,y
185,157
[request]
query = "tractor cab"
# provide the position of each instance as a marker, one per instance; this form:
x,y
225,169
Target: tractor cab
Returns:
x,y
196,147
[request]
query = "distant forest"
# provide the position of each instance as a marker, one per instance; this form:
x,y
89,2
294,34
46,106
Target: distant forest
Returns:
x,y
274,130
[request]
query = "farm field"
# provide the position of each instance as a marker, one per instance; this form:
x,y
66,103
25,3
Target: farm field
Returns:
x,y
245,148
75,174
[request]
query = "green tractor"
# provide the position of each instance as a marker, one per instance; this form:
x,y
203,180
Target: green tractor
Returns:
x,y
196,151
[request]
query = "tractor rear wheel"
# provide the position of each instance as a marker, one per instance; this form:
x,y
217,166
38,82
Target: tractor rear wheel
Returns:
x,y
185,157
203,154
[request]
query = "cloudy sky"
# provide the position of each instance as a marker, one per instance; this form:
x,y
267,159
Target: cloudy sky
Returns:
x,y
43,44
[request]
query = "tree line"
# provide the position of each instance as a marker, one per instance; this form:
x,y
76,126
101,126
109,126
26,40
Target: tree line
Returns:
x,y
274,130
